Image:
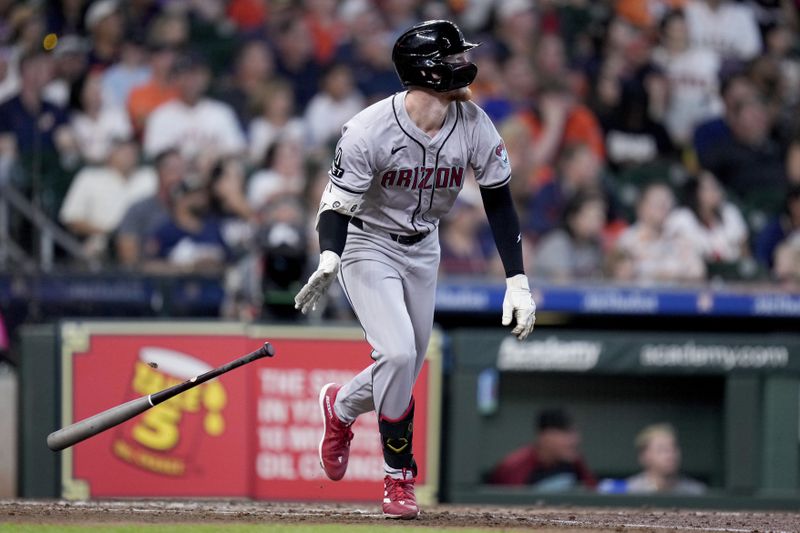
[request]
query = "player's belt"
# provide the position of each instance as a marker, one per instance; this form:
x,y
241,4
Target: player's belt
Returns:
x,y
405,240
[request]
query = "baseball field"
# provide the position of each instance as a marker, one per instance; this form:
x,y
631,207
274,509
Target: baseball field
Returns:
x,y
247,516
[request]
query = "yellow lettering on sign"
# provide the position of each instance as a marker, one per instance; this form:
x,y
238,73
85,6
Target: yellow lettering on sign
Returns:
x,y
158,428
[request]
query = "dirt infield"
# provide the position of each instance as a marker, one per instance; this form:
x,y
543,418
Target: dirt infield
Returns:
x,y
552,519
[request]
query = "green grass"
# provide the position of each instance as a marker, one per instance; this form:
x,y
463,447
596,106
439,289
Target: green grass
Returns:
x,y
226,527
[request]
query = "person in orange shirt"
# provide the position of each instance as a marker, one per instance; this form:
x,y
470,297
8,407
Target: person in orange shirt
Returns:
x,y
145,98
560,120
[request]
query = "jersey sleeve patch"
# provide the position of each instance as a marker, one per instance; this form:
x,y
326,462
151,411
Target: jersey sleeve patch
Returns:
x,y
501,153
351,169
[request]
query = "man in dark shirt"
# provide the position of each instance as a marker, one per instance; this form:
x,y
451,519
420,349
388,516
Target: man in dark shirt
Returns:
x,y
33,121
747,162
552,462
38,129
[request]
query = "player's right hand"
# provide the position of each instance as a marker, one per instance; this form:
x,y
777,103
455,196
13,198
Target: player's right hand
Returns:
x,y
306,300
518,304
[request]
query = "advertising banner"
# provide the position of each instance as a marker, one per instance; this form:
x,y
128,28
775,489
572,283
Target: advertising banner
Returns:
x,y
192,445
642,352
288,430
253,432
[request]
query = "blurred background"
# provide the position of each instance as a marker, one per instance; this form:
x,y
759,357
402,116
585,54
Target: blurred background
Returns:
x,y
163,159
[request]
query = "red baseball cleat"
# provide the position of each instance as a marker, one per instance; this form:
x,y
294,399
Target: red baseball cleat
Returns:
x,y
398,498
334,448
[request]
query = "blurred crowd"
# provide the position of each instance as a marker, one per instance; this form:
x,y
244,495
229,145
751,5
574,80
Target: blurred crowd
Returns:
x,y
652,141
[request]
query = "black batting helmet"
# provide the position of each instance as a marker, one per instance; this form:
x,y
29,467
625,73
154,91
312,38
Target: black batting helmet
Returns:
x,y
420,56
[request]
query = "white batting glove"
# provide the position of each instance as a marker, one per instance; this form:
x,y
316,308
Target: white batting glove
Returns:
x,y
306,300
518,304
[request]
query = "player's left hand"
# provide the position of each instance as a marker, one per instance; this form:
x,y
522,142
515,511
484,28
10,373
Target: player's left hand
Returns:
x,y
317,285
518,304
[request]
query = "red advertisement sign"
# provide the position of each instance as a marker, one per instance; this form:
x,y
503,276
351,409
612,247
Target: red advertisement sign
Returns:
x,y
253,432
191,445
288,424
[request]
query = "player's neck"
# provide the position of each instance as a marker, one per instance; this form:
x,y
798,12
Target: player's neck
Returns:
x,y
427,110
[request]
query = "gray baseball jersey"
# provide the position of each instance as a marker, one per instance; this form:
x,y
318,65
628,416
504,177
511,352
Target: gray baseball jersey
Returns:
x,y
398,181
407,179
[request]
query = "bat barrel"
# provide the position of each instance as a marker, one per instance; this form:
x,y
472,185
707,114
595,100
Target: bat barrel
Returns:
x,y
74,433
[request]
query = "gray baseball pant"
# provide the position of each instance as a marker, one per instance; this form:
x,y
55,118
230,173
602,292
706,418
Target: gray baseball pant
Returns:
x,y
392,289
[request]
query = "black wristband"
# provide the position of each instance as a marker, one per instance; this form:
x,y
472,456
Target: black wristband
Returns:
x,y
505,227
332,228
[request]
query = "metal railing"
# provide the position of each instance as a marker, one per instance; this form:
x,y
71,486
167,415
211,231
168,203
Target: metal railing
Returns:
x,y
47,235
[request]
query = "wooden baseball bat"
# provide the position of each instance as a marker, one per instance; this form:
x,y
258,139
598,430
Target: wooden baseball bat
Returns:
x,y
88,427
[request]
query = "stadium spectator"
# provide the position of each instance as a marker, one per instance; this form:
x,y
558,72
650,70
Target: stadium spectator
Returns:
x,y
36,135
95,125
228,203
170,29
276,120
9,77
294,59
145,98
371,63
552,463
326,28
780,228
575,250
748,163
282,174
560,120
780,40
247,15
654,254
99,196
516,26
139,16
65,17
189,240
35,124
131,71
787,261
143,217
633,138
660,458
70,64
193,122
692,73
714,226
25,31
463,251
336,103
105,24
733,88
253,68
578,170
514,90
726,27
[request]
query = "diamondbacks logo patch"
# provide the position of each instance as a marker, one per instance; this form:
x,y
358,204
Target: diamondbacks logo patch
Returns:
x,y
501,153
336,167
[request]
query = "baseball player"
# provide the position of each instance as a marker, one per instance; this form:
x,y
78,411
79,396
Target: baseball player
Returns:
x,y
399,167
